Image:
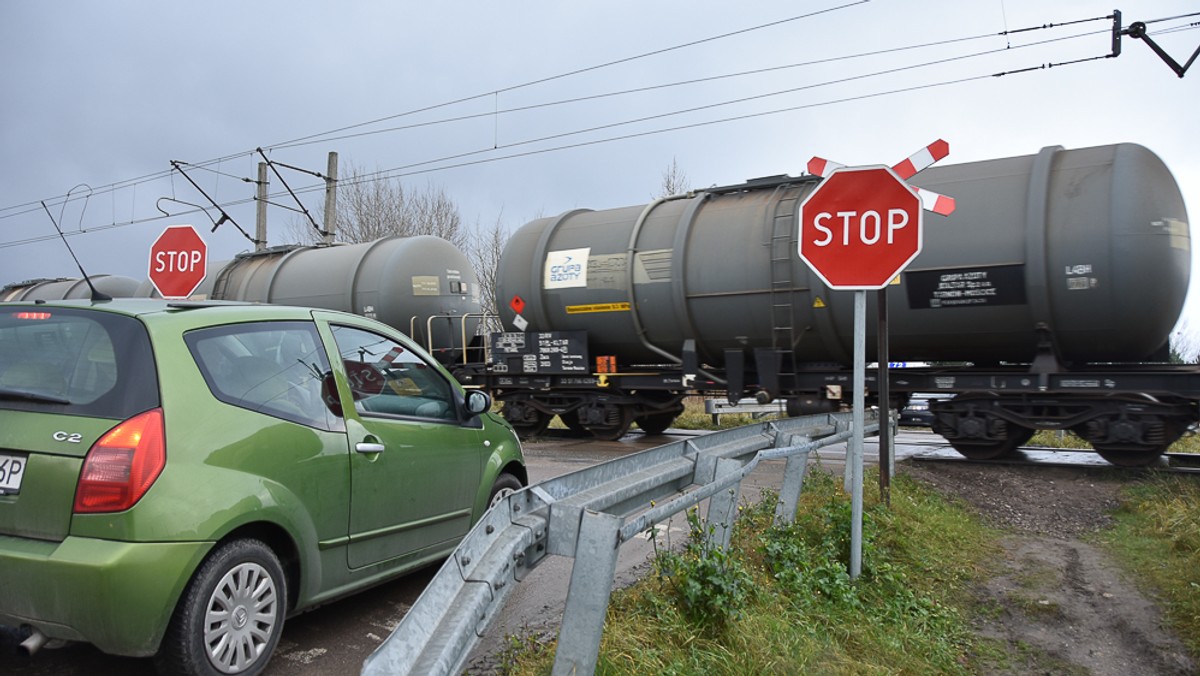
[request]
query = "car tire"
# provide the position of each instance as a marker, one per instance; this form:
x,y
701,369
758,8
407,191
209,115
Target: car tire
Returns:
x,y
505,485
236,578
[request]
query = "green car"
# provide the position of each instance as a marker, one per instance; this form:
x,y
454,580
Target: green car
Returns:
x,y
176,478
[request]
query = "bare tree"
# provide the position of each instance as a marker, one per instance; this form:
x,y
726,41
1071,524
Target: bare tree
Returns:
x,y
674,181
1185,343
370,206
487,245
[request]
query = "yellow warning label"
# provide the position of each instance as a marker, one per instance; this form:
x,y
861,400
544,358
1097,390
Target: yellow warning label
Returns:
x,y
597,307
817,302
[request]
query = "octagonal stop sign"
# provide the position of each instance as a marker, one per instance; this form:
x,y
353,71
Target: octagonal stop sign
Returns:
x,y
860,228
178,261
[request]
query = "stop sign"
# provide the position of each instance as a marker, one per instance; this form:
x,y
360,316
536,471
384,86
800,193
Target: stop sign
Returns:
x,y
178,261
860,227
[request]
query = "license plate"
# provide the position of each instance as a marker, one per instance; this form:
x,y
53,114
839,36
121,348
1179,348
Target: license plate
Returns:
x,y
12,470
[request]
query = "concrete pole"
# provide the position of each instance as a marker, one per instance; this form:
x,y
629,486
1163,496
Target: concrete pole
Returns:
x,y
331,177
260,209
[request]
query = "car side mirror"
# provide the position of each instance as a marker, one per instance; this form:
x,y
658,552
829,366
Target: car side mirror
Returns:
x,y
478,401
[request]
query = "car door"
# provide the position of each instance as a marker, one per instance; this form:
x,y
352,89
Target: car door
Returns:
x,y
416,463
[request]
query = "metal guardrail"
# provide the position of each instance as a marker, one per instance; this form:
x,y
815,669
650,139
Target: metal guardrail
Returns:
x,y
588,515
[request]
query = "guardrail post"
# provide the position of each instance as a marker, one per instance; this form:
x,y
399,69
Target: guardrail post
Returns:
x,y
722,507
587,597
793,483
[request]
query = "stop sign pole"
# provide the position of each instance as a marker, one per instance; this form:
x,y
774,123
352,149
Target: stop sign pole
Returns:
x,y
858,230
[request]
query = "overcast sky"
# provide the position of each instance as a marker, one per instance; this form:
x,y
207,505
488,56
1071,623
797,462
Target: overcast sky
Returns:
x,y
103,93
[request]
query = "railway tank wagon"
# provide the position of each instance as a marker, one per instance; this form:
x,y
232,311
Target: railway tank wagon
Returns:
x,y
1057,270
421,285
60,288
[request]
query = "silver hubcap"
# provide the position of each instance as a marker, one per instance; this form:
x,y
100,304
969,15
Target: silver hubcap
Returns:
x,y
240,618
500,495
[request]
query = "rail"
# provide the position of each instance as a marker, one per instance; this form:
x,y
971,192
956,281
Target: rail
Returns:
x,y
587,515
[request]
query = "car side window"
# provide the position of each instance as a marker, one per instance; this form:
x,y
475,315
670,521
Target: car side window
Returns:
x,y
277,368
388,378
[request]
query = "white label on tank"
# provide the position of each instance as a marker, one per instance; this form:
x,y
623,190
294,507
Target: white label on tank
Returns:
x,y
566,269
520,323
426,285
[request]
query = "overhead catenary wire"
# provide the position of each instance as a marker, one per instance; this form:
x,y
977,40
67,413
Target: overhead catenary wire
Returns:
x,y
162,174
383,174
416,170
578,71
640,90
30,206
159,175
452,161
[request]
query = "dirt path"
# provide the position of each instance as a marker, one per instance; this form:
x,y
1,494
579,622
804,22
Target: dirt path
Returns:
x,y
1059,604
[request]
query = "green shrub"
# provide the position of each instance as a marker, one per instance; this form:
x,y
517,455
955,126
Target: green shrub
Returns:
x,y
710,585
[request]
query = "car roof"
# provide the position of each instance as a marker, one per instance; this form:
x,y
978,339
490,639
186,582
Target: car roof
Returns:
x,y
154,310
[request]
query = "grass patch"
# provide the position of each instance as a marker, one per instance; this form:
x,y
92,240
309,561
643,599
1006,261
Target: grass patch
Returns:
x,y
781,601
1188,443
1058,439
1156,536
694,417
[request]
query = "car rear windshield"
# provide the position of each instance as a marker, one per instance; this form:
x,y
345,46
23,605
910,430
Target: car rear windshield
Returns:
x,y
75,361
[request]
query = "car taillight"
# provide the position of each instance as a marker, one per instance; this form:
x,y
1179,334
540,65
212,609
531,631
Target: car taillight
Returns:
x,y
122,465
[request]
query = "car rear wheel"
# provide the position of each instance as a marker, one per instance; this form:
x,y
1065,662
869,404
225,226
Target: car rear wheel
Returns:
x,y
231,614
506,484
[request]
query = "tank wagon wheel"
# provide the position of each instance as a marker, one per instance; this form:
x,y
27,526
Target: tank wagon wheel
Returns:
x,y
537,426
571,420
611,424
656,423
990,450
610,433
1126,457
1131,442
978,446
526,420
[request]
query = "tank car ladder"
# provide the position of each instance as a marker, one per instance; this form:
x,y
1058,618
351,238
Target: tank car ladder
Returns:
x,y
783,252
777,363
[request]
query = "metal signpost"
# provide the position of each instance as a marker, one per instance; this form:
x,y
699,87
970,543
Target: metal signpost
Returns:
x,y
858,230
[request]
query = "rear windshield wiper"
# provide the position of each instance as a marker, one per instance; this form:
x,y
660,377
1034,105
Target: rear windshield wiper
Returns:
x,y
24,395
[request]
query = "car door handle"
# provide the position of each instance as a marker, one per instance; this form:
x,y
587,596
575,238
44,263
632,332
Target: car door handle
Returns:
x,y
368,447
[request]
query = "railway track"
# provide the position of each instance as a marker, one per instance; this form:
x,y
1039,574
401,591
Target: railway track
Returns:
x,y
1041,456
909,445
